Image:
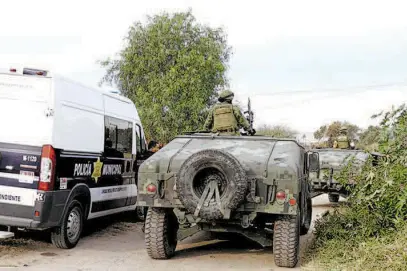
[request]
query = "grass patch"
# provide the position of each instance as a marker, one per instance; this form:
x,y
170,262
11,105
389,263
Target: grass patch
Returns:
x,y
388,252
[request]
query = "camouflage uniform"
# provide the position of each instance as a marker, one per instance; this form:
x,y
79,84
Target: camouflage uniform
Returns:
x,y
342,141
224,118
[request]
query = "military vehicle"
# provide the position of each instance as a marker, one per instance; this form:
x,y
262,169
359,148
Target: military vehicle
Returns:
x,y
332,161
254,186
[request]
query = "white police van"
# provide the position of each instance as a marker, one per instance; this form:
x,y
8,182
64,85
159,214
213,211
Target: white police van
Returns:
x,y
68,153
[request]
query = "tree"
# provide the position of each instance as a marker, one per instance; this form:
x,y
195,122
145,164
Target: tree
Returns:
x,y
369,138
172,68
320,133
278,131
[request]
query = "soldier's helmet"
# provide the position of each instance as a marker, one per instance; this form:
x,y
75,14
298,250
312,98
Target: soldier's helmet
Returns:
x,y
226,95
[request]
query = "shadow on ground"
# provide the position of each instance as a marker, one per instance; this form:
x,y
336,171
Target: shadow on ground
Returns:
x,y
31,239
238,245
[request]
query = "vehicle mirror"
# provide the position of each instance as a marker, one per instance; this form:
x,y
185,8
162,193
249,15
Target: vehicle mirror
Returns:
x,y
313,161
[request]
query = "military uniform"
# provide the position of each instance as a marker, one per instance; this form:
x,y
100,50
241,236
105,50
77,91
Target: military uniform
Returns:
x,y
224,118
342,141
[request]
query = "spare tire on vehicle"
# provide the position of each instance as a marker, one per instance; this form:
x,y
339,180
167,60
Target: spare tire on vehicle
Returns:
x,y
209,170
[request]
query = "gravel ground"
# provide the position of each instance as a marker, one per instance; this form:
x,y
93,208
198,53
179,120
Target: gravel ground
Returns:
x,y
117,243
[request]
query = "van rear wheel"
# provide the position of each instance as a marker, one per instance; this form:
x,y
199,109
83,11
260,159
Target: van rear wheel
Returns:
x,y
68,234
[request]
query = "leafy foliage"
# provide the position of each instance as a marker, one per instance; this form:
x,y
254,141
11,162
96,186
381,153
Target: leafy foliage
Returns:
x,y
377,206
369,138
278,131
172,68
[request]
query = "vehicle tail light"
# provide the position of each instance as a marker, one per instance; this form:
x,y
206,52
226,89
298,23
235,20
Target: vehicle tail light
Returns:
x,y
280,195
47,170
292,201
151,188
13,70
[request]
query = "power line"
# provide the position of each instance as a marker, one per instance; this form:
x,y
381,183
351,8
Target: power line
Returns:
x,y
366,87
302,101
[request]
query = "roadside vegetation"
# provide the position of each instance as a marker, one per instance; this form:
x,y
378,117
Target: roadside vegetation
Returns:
x,y
369,231
278,131
172,67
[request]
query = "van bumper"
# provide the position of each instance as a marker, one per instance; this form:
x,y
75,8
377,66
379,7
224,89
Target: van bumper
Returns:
x,y
18,222
49,212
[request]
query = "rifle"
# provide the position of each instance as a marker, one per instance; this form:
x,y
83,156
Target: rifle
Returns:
x,y
250,117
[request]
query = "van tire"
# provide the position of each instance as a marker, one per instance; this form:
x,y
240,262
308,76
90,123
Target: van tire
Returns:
x,y
72,223
161,229
140,213
286,241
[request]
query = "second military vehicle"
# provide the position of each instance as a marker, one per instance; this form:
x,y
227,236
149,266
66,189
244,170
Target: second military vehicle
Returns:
x,y
332,161
251,185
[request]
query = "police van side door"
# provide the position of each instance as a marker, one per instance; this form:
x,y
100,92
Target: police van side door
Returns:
x,y
139,158
115,181
141,148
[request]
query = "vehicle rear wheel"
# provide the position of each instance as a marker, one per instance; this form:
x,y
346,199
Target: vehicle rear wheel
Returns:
x,y
160,233
68,234
286,241
333,198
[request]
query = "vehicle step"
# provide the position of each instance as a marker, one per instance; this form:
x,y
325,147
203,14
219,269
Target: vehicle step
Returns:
x,y
6,235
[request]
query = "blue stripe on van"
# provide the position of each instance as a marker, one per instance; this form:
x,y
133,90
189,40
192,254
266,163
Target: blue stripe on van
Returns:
x,y
16,183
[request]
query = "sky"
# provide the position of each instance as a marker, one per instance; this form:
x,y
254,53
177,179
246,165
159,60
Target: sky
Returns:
x,y
331,50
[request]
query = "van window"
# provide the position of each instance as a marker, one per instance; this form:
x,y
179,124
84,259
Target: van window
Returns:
x,y
139,138
118,137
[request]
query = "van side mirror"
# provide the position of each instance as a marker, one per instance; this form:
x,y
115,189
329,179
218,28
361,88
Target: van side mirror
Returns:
x,y
313,161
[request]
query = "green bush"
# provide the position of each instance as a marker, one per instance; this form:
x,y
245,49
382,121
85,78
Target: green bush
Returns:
x,y
377,206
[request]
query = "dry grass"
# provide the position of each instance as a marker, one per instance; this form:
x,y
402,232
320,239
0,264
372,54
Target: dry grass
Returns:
x,y
385,253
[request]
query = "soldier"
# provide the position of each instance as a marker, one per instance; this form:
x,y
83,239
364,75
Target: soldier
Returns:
x,y
342,141
224,118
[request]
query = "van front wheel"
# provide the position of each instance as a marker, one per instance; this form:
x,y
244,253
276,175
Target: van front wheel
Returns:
x,y
68,234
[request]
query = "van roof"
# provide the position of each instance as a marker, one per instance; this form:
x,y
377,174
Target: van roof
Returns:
x,y
56,75
99,90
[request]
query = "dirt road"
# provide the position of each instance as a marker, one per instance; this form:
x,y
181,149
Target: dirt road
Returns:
x,y
119,245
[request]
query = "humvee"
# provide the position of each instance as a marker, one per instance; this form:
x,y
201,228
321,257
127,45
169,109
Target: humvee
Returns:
x,y
332,161
254,186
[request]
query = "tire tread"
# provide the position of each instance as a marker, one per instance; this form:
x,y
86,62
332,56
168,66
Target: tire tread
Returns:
x,y
156,234
58,235
286,242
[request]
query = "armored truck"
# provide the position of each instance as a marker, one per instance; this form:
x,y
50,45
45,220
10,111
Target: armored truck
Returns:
x,y
249,185
332,161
